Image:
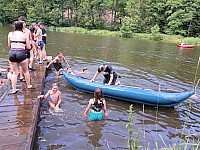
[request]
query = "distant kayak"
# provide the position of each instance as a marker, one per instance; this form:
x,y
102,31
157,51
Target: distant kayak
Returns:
x,y
128,93
185,46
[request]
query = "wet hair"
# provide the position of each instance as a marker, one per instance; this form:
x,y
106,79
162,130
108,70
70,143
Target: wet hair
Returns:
x,y
68,67
18,26
59,53
98,95
84,69
54,84
22,18
101,67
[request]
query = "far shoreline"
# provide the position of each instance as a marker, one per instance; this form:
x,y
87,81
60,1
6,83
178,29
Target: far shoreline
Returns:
x,y
176,39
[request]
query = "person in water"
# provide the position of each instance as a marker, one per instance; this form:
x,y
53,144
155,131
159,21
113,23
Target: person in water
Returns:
x,y
57,62
55,97
97,105
110,76
69,70
84,71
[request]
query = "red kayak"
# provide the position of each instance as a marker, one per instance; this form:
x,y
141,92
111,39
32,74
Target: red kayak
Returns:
x,y
185,46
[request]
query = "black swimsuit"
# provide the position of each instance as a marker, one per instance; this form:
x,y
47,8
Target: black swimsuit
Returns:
x,y
107,73
23,42
17,54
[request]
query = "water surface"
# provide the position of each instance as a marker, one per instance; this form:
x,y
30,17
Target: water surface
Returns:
x,y
140,63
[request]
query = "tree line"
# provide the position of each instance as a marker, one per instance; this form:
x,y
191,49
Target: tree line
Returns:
x,y
173,17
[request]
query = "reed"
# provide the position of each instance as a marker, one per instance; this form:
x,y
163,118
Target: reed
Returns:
x,y
186,142
133,141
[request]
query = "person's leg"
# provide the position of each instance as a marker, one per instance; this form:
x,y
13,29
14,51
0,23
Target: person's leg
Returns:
x,y
31,61
52,106
44,52
24,65
40,56
114,81
15,68
21,74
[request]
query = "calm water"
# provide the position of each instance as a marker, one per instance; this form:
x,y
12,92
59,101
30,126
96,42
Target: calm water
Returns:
x,y
140,63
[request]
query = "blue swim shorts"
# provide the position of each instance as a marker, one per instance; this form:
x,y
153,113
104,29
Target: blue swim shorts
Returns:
x,y
40,44
96,115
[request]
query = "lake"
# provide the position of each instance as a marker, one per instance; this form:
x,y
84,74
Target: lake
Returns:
x,y
140,63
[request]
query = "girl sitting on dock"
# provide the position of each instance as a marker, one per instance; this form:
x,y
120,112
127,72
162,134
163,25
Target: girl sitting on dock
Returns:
x,y
55,97
97,105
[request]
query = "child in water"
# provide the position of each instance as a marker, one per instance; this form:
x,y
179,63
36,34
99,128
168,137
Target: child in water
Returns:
x,y
55,97
69,70
97,105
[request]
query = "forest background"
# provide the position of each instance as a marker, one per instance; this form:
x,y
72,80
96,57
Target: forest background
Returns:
x,y
168,20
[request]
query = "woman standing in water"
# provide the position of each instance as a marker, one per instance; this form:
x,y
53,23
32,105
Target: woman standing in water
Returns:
x,y
97,105
17,42
55,97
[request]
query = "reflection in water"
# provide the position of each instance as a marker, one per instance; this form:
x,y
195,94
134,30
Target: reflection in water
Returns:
x,y
94,135
24,115
186,51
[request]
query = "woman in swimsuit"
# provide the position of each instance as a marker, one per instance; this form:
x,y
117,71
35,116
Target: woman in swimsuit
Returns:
x,y
55,97
97,105
17,42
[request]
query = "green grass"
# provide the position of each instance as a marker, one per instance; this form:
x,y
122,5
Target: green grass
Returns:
x,y
165,38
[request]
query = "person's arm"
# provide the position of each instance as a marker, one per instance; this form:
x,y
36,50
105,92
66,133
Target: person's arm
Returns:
x,y
111,78
88,108
28,45
96,74
65,61
51,62
44,96
60,100
104,107
37,34
9,44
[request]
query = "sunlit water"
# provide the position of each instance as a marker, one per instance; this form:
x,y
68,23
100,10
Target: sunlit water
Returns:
x,y
140,63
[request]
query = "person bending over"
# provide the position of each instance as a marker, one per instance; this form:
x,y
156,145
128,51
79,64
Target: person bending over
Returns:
x,y
110,76
57,63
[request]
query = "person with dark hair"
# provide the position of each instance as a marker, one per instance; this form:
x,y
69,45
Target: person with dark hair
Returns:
x,y
30,54
18,42
57,63
69,70
39,42
44,39
85,70
110,76
97,105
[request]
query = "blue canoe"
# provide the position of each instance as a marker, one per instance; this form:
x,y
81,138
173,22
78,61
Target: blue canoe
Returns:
x,y
128,93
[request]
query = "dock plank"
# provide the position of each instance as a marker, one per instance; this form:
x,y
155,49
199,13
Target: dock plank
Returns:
x,y
19,113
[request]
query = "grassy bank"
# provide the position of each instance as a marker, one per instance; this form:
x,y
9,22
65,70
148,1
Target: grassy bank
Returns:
x,y
163,37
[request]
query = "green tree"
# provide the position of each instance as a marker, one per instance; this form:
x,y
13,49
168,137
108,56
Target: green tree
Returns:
x,y
126,28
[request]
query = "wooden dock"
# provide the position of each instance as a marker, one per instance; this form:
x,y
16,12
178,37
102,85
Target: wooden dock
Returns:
x,y
19,113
